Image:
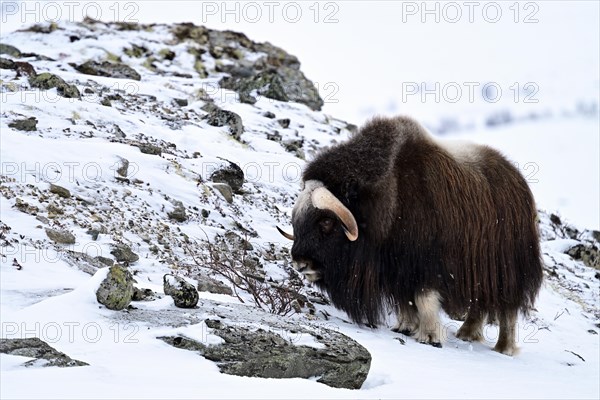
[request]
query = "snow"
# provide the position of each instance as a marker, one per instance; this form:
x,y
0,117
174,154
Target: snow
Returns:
x,y
51,299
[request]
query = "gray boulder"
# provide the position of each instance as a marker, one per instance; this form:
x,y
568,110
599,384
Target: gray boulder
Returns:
x,y
211,285
183,293
116,291
123,253
219,117
25,124
60,191
229,173
60,237
47,81
109,69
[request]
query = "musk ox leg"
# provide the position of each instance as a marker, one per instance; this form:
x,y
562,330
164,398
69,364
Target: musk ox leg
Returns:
x,y
506,340
408,320
428,306
471,329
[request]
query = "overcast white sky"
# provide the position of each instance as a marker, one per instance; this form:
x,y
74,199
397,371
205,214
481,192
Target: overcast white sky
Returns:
x,y
369,56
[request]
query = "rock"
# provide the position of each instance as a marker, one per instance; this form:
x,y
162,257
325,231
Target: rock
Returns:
x,y
231,174
284,122
596,235
122,167
150,149
295,146
10,50
268,114
143,294
61,237
266,84
26,124
181,102
109,262
47,81
225,191
178,214
281,83
94,233
5,63
587,253
109,69
123,253
25,207
219,117
208,284
44,354
60,191
167,54
183,293
336,359
116,290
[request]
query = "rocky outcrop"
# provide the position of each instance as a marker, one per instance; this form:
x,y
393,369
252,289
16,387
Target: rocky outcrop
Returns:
x,y
44,355
334,359
109,69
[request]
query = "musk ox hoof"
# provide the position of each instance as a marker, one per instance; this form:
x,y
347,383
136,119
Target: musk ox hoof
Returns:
x,y
434,344
403,331
507,350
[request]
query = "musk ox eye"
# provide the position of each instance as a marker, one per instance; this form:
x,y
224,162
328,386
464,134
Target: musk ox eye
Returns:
x,y
326,225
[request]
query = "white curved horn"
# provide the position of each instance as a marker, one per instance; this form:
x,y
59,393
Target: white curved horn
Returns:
x,y
285,234
325,200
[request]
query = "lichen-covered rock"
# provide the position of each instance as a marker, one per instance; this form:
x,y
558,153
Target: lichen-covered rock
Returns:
x,y
123,253
60,191
335,359
109,69
44,354
219,117
47,81
61,237
183,293
25,124
116,290
229,173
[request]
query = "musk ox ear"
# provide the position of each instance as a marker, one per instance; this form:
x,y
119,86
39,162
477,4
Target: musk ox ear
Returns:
x,y
285,234
323,199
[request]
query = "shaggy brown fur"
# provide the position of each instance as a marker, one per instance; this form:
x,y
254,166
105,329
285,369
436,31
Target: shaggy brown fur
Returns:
x,y
460,222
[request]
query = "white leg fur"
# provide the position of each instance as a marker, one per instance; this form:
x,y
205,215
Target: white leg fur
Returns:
x,y
428,306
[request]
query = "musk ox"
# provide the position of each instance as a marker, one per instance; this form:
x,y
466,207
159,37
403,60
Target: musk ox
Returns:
x,y
394,218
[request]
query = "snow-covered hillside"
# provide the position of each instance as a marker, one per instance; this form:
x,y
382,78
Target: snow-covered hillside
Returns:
x,y
136,166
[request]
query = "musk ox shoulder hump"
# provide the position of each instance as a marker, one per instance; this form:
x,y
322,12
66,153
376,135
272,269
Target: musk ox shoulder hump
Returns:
x,y
368,156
